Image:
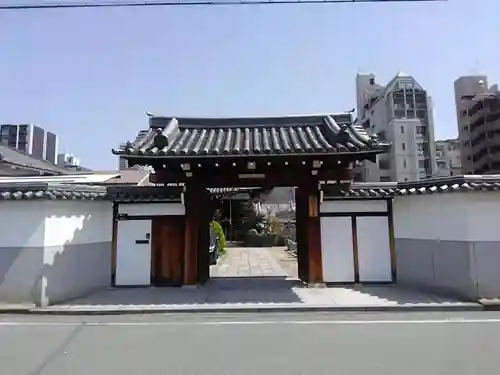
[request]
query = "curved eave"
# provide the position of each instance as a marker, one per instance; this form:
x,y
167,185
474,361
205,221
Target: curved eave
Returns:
x,y
132,155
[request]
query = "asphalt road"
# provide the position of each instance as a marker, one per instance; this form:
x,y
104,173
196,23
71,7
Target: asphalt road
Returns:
x,y
252,344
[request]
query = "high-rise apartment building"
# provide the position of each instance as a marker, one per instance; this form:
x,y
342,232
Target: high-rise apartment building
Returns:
x,y
448,158
478,118
400,112
67,161
51,146
30,139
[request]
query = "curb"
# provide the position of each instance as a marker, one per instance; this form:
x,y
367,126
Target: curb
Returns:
x,y
16,311
490,304
258,309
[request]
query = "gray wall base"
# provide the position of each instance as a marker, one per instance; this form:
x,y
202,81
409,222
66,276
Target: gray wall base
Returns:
x,y
465,269
76,271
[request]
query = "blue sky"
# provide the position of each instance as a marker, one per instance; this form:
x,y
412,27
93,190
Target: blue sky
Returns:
x,y
89,75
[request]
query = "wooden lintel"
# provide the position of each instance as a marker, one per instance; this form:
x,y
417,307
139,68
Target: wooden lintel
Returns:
x,y
238,177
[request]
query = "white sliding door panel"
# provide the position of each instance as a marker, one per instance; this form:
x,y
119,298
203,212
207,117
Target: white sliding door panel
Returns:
x,y
337,249
374,254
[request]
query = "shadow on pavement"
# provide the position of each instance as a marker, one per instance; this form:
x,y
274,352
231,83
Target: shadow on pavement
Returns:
x,y
267,289
232,290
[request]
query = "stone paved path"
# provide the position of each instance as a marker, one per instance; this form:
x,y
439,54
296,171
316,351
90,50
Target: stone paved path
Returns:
x,y
248,262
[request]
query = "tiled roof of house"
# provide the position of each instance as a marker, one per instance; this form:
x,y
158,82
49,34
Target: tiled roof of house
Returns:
x,y
27,164
51,192
194,137
432,186
130,176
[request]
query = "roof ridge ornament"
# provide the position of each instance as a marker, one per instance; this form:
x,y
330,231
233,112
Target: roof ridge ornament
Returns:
x,y
160,140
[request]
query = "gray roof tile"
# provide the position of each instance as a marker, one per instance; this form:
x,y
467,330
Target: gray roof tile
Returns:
x,y
145,194
51,192
466,183
252,136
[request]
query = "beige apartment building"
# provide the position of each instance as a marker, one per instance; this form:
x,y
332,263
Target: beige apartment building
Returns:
x,y
478,117
448,158
400,112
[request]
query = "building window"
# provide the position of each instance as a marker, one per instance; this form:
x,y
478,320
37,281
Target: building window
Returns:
x,y
404,163
421,130
402,130
403,146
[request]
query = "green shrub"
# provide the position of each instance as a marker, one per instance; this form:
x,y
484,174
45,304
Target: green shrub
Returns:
x,y
219,232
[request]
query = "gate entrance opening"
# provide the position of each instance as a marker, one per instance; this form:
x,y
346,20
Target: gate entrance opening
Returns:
x,y
200,154
257,228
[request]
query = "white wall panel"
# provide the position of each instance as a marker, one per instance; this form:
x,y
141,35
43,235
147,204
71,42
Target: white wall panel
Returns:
x,y
354,206
433,217
22,223
337,249
483,215
77,222
152,209
374,254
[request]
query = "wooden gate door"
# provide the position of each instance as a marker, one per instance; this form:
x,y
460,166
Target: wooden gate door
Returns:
x,y
168,250
301,216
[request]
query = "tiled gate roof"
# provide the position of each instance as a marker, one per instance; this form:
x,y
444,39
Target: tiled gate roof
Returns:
x,y
192,137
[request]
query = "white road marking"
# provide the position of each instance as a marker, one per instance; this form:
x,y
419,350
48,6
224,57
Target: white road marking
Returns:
x,y
250,322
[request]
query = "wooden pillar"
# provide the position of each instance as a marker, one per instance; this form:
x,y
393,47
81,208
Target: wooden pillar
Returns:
x,y
114,243
206,211
192,201
307,201
196,240
314,235
301,234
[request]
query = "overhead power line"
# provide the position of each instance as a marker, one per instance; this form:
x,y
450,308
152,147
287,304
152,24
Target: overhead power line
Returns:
x,y
129,4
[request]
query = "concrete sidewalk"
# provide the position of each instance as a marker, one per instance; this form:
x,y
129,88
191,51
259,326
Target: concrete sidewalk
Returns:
x,y
270,294
253,279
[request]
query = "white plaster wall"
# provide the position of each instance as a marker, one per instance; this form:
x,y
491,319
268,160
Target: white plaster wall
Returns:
x,y
354,206
431,216
53,250
483,215
22,236
77,252
472,216
152,209
449,242
22,223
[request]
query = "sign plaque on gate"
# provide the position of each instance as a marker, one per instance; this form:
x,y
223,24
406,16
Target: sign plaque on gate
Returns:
x,y
313,206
